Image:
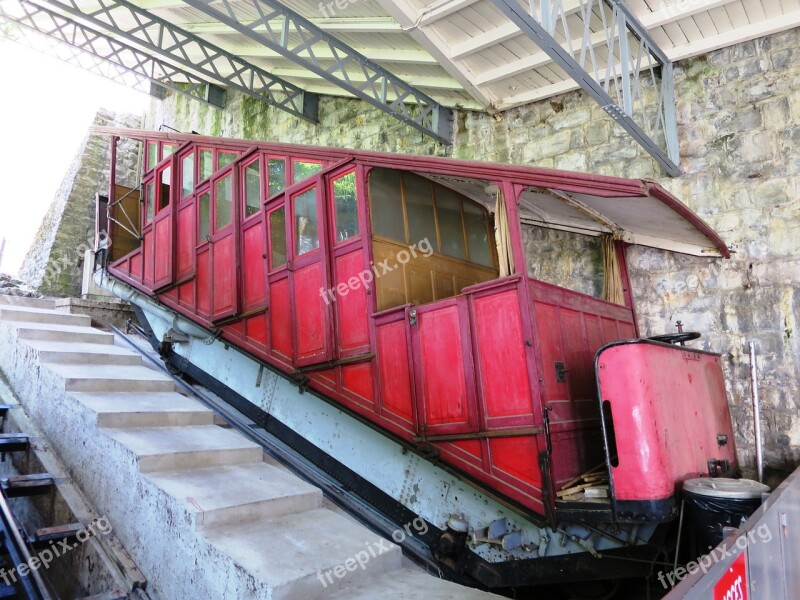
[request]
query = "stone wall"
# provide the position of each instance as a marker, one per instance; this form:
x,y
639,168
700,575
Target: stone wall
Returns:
x,y
566,259
54,262
739,129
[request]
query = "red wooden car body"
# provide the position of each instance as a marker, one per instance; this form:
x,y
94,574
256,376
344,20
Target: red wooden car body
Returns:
x,y
497,380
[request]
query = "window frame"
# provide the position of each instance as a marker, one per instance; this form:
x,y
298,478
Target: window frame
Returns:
x,y
199,192
246,161
192,151
407,227
332,208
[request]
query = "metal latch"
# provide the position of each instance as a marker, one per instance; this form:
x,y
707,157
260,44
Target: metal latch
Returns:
x,y
412,316
561,372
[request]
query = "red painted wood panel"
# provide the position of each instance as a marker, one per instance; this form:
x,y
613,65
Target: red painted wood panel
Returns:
x,y
234,331
577,355
610,330
517,457
224,276
186,294
627,331
571,327
256,330
309,312
503,373
551,349
162,267
357,379
204,281
444,386
351,309
185,244
253,286
149,258
137,266
395,370
280,320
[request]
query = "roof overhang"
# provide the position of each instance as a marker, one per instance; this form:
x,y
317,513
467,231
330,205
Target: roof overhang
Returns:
x,y
638,211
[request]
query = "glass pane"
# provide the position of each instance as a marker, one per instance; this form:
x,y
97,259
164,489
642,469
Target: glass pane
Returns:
x,y
252,188
167,150
152,155
304,170
205,217
206,164
277,238
344,197
478,241
150,200
276,175
187,175
226,158
419,207
386,204
451,231
164,188
306,234
222,203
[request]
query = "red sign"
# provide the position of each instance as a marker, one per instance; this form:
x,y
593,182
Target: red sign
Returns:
x,y
733,585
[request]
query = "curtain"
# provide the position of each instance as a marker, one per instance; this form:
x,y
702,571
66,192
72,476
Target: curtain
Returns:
x,y
505,254
612,288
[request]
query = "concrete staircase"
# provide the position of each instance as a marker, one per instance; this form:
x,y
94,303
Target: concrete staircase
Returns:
x,y
197,505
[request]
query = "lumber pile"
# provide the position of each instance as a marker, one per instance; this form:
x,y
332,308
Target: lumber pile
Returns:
x,y
592,484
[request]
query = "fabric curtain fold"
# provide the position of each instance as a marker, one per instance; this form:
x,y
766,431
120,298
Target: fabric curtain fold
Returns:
x,y
612,271
502,235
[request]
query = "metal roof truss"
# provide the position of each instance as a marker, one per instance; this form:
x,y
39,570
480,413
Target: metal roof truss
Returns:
x,y
175,45
275,25
103,55
619,73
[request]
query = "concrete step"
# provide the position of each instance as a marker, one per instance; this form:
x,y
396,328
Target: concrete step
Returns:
x,y
9,300
62,333
180,448
238,494
120,378
42,315
409,584
155,409
294,556
83,354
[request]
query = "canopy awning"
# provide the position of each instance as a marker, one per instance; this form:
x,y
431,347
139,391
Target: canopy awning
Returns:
x,y
639,211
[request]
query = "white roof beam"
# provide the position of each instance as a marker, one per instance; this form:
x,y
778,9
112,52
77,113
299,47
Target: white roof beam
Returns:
x,y
709,44
659,18
651,21
440,83
443,97
418,57
500,34
534,61
738,35
342,25
439,10
407,15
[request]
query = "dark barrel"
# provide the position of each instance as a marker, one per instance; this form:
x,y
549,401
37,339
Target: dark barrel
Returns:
x,y
715,503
